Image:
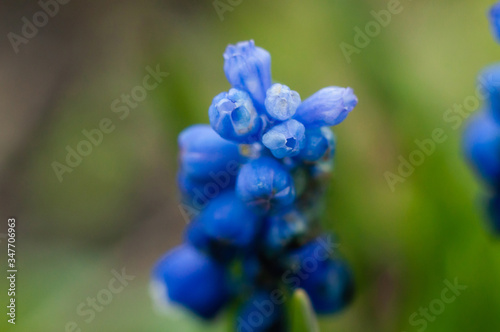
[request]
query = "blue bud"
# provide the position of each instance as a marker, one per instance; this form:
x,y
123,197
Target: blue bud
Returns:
x,y
261,305
327,107
198,193
188,278
229,220
285,139
203,153
281,102
248,68
482,147
318,251
489,81
330,287
494,16
233,116
320,143
494,213
265,185
281,229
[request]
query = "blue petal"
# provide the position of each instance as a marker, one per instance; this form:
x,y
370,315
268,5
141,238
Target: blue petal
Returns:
x,y
327,107
285,139
233,116
330,287
320,143
193,280
283,228
248,68
482,147
489,80
203,153
265,185
281,102
228,220
198,193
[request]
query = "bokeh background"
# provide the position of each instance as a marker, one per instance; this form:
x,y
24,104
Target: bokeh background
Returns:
x,y
118,209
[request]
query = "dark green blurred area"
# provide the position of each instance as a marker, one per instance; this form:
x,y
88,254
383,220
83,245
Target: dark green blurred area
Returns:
x,y
118,209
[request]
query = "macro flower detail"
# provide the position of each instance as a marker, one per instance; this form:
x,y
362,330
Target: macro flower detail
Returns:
x,y
248,68
252,184
330,286
218,220
281,102
327,107
481,141
203,152
188,278
265,184
233,116
285,139
319,144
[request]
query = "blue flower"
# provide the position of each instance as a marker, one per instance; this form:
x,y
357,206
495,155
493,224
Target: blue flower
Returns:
x,y
285,139
327,107
197,193
248,68
319,144
265,185
203,153
233,116
494,16
281,229
228,220
330,286
317,251
188,278
281,102
482,147
253,183
489,80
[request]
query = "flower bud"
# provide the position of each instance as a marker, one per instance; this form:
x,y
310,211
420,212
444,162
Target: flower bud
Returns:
x,y
327,107
233,116
281,102
248,68
285,139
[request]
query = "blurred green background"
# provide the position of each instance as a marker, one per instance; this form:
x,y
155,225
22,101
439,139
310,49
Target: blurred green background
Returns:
x,y
118,209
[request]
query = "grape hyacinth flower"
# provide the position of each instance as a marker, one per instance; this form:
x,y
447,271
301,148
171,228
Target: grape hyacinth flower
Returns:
x,y
327,107
482,135
188,278
254,180
285,139
233,116
281,102
248,68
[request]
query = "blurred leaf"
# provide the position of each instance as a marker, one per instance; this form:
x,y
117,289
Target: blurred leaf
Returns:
x,y
301,313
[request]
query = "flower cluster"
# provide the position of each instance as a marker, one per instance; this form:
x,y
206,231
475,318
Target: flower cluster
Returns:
x,y
482,137
255,178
